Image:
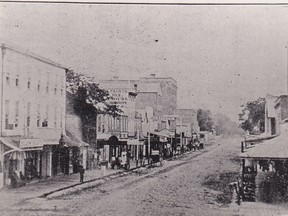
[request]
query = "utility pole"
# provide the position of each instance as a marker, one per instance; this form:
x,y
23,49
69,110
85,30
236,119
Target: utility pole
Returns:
x,y
149,142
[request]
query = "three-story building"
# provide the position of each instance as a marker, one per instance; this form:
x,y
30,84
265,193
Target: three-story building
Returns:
x,y
32,101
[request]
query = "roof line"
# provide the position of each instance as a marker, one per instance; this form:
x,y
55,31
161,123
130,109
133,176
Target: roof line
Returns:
x,y
32,55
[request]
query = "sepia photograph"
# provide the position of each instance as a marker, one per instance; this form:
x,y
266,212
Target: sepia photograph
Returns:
x,y
139,108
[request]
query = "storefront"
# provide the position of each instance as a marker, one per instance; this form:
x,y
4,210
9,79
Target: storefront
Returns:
x,y
24,156
265,170
69,155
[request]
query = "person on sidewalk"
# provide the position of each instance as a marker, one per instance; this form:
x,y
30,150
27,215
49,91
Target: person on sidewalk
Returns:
x,y
113,162
119,162
81,171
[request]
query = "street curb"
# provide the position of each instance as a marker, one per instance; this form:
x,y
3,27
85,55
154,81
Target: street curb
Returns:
x,y
78,185
97,181
86,184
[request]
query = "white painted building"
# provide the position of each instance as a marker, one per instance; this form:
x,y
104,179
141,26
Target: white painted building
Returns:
x,y
32,101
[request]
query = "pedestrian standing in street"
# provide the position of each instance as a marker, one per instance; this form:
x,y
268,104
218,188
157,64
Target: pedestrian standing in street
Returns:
x,y
81,171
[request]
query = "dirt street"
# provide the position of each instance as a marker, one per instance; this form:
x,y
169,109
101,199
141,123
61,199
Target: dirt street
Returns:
x,y
196,184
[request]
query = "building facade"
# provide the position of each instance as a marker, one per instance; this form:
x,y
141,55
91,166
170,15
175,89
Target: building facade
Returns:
x,y
281,111
270,115
160,93
188,117
117,133
32,113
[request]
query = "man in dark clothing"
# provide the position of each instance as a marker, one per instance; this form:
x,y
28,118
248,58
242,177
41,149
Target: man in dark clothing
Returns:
x,y
81,171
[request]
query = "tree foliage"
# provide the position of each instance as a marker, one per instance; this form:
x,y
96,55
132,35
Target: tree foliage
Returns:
x,y
205,121
252,116
225,126
89,99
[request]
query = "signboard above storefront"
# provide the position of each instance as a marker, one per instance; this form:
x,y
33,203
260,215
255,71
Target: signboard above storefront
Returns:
x,y
169,117
31,143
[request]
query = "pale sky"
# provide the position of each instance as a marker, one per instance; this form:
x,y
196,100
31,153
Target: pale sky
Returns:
x,y
220,56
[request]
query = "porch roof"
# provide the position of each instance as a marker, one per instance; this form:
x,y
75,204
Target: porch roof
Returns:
x,y
276,148
73,141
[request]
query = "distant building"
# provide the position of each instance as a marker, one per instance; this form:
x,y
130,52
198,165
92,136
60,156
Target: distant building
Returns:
x,y
189,118
281,110
149,103
160,93
270,114
117,133
32,114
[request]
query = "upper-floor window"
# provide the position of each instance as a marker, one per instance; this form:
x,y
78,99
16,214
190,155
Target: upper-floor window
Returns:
x,y
16,114
55,117
38,87
7,80
28,83
46,120
28,113
55,90
7,108
17,81
47,88
38,116
61,118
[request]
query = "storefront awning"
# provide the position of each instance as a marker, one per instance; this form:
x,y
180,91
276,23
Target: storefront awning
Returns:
x,y
276,148
73,141
165,133
10,143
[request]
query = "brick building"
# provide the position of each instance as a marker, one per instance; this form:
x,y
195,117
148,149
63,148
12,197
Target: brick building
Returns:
x,y
281,111
160,93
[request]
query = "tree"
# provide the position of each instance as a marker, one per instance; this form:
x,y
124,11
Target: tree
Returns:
x,y
225,126
89,100
253,116
205,120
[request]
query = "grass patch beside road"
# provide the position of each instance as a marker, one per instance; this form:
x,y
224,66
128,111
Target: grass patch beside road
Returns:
x,y
220,182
